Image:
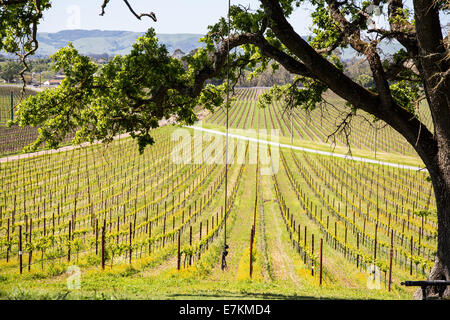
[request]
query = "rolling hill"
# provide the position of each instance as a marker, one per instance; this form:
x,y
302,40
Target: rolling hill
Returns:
x,y
99,42
109,42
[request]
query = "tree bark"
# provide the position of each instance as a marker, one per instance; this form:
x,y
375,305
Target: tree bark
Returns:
x,y
441,268
436,79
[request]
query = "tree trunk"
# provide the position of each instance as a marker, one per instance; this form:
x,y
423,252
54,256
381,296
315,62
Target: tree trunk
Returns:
x,y
441,185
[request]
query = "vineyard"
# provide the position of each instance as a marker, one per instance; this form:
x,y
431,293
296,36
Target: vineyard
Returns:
x,y
10,97
13,139
317,125
126,225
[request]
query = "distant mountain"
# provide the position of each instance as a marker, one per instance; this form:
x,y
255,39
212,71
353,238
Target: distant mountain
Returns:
x,y
97,42
386,48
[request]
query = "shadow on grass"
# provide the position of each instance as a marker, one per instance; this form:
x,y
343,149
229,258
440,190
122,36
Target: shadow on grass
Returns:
x,y
244,296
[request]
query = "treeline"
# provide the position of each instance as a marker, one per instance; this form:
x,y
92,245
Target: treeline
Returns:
x,y
10,69
357,69
40,68
266,79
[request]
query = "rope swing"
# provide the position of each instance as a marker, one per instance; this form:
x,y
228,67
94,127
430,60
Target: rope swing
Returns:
x,y
225,245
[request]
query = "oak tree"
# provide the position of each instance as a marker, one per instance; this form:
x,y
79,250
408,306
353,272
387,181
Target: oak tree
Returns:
x,y
10,70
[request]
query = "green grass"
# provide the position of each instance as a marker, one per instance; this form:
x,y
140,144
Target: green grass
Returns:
x,y
103,286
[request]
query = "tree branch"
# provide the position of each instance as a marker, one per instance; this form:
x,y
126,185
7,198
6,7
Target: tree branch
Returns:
x,y
291,64
434,58
403,69
331,48
34,43
397,117
138,16
12,2
402,31
105,3
352,31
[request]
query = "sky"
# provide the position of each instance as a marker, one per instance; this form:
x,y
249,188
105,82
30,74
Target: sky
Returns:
x,y
174,16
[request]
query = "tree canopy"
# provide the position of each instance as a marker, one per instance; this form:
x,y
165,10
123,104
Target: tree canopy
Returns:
x,y
10,70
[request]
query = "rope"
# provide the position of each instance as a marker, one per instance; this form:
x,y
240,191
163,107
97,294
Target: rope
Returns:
x,y
225,246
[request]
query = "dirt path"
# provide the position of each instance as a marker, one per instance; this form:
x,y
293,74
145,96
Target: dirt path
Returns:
x,y
281,262
309,150
263,246
165,265
239,234
338,273
62,149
